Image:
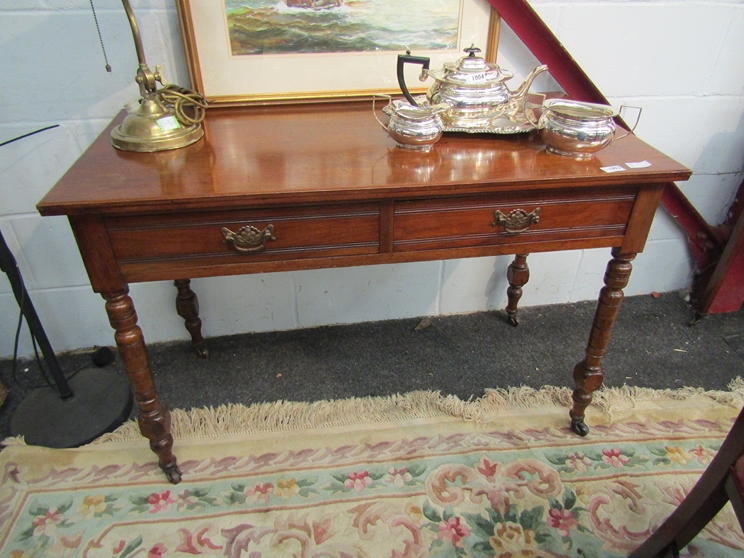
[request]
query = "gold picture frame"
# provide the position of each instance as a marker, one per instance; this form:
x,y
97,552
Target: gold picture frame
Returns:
x,y
227,80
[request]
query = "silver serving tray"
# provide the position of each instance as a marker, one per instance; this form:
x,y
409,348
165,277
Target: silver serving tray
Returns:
x,y
499,126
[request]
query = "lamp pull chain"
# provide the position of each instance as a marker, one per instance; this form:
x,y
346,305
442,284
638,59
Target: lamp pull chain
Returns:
x,y
100,38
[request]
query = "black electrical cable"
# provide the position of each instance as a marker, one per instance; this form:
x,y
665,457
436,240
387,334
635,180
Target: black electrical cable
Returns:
x,y
44,373
29,134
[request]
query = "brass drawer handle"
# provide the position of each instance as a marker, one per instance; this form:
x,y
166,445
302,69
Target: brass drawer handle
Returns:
x,y
516,221
248,239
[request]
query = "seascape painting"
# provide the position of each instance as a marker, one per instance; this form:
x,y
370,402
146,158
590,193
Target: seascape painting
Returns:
x,y
261,27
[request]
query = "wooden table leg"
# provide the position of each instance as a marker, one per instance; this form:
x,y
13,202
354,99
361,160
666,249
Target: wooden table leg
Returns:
x,y
154,418
187,306
517,274
588,374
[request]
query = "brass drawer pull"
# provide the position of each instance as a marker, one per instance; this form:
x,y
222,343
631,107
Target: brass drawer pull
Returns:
x,y
516,221
248,239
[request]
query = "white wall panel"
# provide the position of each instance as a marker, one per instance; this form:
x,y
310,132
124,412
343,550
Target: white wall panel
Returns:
x,y
474,284
377,292
51,252
662,266
665,227
72,318
29,167
261,302
649,48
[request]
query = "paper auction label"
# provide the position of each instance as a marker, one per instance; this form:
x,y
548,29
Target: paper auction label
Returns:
x,y
615,168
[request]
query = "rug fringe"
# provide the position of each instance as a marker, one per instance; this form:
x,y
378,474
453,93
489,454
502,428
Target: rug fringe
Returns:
x,y
234,419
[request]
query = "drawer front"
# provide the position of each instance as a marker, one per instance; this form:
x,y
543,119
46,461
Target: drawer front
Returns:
x,y
228,237
476,221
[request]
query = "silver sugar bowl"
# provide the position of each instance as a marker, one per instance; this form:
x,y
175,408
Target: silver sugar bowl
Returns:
x,y
577,129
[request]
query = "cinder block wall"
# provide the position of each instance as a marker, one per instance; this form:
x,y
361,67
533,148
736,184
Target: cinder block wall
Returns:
x,y
681,61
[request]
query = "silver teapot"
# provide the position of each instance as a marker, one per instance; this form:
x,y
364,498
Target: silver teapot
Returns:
x,y
475,90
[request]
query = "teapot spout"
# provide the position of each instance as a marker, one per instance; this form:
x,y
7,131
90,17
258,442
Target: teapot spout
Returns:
x,y
521,93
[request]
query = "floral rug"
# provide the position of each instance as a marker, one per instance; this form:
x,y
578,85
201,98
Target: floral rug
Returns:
x,y
412,475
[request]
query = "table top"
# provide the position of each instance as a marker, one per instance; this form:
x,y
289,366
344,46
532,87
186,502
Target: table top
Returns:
x,y
260,156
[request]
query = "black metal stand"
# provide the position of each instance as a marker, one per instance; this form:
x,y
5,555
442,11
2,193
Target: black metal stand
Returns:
x,y
73,413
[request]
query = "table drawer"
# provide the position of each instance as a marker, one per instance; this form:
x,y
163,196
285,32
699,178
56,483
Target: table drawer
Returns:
x,y
475,221
227,237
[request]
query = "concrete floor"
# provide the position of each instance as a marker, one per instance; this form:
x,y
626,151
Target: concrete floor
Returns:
x,y
653,345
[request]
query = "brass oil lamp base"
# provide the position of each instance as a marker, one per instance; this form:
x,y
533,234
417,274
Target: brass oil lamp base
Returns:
x,y
154,127
161,122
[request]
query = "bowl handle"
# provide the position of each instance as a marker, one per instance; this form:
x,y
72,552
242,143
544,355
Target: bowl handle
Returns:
x,y
620,113
529,112
374,112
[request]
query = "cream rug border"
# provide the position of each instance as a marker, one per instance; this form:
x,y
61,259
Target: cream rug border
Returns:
x,y
520,416
520,404
235,420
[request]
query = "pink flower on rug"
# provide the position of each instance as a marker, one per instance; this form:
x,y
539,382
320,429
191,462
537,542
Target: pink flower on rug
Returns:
x,y
398,477
702,454
563,520
453,531
286,488
162,501
47,524
578,461
157,551
259,492
615,458
358,480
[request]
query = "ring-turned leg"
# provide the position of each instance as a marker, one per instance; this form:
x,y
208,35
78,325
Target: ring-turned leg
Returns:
x,y
153,418
517,274
588,374
187,306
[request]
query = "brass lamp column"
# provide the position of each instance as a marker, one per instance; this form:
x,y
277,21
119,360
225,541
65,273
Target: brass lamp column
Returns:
x,y
153,126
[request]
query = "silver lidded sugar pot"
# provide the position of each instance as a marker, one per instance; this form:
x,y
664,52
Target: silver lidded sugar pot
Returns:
x,y
412,126
576,128
475,90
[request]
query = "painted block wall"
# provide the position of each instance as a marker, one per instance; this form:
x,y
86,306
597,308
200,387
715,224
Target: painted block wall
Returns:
x,y
681,61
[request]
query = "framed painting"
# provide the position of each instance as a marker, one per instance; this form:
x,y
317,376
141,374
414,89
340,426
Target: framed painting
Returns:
x,y
283,51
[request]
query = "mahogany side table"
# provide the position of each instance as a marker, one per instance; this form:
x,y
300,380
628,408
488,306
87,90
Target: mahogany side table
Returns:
x,y
318,186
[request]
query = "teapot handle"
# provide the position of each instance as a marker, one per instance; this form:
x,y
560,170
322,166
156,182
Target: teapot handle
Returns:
x,y
408,58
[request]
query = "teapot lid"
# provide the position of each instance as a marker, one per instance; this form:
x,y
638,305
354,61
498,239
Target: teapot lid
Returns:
x,y
471,70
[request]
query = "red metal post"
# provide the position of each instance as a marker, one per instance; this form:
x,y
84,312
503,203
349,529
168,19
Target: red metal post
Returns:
x,y
723,288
